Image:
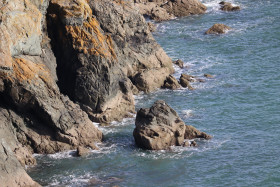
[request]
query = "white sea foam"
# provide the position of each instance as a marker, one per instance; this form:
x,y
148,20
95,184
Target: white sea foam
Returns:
x,y
179,152
188,113
62,155
73,180
214,6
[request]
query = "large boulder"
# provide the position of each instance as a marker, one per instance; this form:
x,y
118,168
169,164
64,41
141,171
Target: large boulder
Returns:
x,y
218,29
160,127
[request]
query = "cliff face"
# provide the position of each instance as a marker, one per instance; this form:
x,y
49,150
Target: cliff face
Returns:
x,y
97,53
102,47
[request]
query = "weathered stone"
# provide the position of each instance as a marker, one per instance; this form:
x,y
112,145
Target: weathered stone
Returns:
x,y
218,29
179,63
225,6
171,83
160,127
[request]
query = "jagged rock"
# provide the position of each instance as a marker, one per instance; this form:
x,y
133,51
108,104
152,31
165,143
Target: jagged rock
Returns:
x,y
218,29
185,81
192,133
179,63
209,76
184,7
171,83
160,127
225,6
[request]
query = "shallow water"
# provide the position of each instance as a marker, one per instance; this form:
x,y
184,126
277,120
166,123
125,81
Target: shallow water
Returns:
x,y
240,107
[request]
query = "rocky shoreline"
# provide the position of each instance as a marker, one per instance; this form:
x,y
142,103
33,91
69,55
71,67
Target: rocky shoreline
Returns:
x,y
66,63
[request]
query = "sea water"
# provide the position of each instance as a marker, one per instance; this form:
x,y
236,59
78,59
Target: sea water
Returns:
x,y
239,107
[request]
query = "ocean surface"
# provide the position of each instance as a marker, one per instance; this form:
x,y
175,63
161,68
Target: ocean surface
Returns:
x,y
239,107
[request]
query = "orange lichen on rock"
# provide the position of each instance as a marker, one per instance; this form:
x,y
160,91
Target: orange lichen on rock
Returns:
x,y
89,39
25,70
79,8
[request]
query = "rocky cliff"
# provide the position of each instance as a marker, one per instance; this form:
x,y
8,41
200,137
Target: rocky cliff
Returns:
x,y
62,63
66,63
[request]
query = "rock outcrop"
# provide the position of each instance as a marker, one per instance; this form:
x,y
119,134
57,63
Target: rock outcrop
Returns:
x,y
160,127
161,10
218,29
225,6
62,63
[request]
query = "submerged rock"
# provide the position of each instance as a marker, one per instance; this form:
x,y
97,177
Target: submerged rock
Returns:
x,y
209,76
218,29
160,127
225,6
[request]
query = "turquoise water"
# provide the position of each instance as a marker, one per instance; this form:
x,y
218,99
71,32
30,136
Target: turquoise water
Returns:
x,y
240,107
